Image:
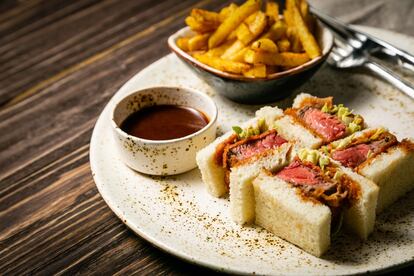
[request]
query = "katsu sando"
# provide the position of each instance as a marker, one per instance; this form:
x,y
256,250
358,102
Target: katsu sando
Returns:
x,y
314,121
308,200
378,155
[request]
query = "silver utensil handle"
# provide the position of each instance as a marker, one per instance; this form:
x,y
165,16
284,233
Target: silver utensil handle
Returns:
x,y
391,77
360,39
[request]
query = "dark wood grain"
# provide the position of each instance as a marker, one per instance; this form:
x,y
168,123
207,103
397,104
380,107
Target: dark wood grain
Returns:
x,y
60,62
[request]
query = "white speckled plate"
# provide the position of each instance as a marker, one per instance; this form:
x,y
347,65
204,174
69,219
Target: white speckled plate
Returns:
x,y
177,215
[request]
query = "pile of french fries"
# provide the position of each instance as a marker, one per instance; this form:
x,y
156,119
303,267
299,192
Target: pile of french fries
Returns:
x,y
247,41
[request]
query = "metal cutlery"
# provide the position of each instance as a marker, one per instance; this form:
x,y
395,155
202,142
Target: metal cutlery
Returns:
x,y
356,49
358,39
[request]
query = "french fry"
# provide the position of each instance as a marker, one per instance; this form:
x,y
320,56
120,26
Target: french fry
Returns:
x,y
287,15
197,26
206,17
294,39
233,49
309,19
243,34
182,43
198,42
250,18
199,52
276,31
218,51
222,64
258,24
239,56
233,34
247,41
264,45
308,40
248,30
272,10
232,21
303,8
280,59
203,21
291,32
226,11
257,71
283,45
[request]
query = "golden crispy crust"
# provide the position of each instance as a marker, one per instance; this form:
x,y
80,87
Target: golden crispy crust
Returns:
x,y
218,155
317,102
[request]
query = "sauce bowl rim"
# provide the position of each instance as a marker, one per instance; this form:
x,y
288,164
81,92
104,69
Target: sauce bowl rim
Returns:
x,y
211,122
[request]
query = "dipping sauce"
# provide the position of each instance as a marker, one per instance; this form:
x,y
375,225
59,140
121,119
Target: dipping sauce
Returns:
x,y
164,122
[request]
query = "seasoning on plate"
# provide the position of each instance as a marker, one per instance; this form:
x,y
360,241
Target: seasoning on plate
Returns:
x,y
164,122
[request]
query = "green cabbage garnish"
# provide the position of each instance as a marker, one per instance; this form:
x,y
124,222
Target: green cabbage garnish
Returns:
x,y
237,129
352,128
259,128
353,122
337,175
314,157
377,134
343,143
325,108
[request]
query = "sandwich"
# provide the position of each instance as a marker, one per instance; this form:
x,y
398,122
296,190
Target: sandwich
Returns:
x,y
307,201
232,161
310,123
305,172
378,155
244,161
313,121
241,146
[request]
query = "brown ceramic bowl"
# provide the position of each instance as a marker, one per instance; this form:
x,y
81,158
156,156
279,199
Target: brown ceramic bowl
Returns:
x,y
259,90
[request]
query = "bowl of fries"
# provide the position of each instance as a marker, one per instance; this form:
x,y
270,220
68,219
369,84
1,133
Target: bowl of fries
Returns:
x,y
251,53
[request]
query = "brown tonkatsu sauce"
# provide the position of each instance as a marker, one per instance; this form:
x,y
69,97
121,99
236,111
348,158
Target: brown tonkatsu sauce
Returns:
x,y
164,122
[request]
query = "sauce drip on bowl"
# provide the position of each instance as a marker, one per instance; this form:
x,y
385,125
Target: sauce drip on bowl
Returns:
x,y
164,122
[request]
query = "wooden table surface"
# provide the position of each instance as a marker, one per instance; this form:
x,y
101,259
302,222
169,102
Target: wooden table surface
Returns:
x,y
60,62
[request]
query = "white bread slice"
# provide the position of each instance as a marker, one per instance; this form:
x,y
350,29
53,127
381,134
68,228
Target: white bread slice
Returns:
x,y
300,98
269,114
288,128
360,218
392,171
213,174
282,211
242,202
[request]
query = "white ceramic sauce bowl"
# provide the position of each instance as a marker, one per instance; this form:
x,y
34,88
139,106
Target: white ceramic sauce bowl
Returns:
x,y
163,157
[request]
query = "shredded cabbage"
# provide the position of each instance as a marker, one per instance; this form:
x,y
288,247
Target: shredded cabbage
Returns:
x,y
343,143
314,157
377,133
337,175
352,128
257,129
353,122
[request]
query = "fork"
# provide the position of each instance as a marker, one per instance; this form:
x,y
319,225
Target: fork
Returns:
x,y
355,49
374,46
345,56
